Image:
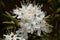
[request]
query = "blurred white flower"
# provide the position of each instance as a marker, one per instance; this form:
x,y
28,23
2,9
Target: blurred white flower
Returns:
x,y
32,19
22,33
8,37
13,37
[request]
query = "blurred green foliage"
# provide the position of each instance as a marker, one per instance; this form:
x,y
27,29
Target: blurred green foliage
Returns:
x,y
52,7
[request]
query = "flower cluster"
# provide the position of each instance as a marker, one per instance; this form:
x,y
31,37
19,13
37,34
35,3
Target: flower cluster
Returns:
x,y
31,19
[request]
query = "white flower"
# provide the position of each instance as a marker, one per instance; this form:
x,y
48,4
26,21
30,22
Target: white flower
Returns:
x,y
32,19
13,37
8,37
22,33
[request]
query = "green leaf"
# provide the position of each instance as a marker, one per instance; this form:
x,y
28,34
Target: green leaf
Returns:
x,y
8,22
13,19
49,1
58,9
